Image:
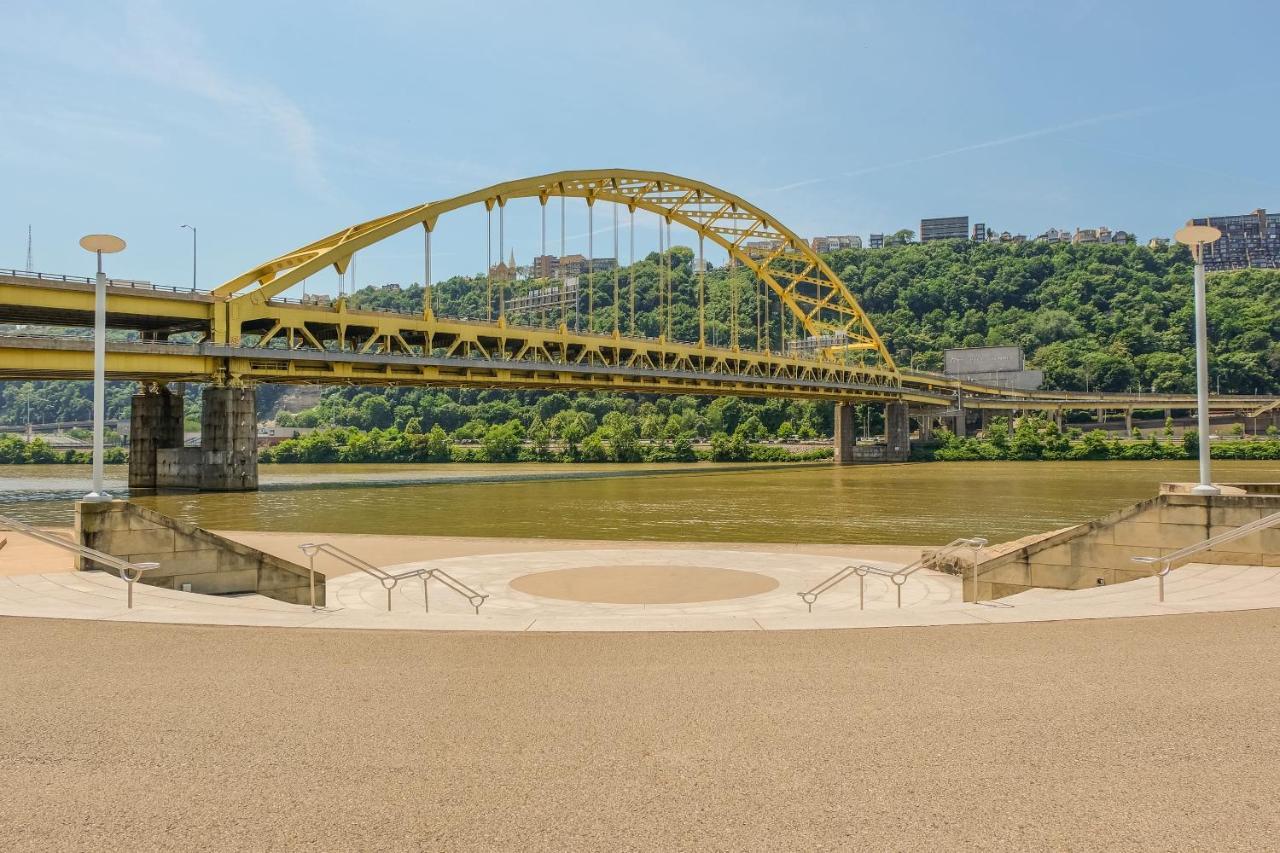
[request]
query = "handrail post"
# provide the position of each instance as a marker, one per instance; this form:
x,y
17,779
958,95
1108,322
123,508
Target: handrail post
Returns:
x,y
426,593
311,567
976,548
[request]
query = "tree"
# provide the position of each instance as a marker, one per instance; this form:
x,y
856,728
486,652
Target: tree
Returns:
x,y
751,429
376,411
539,438
725,448
501,443
437,446
571,427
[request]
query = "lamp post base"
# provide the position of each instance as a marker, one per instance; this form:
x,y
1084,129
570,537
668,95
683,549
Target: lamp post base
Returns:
x,y
1206,489
97,498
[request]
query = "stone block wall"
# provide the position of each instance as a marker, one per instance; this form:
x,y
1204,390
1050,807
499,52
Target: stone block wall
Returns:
x,y
189,554
178,468
897,432
155,423
1100,552
228,440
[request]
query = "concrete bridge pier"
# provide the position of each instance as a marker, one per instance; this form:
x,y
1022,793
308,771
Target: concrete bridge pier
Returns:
x,y
897,436
228,440
225,461
846,434
897,432
155,424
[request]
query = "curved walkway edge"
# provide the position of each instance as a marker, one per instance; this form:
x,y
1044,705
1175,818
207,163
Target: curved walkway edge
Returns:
x,y
1195,588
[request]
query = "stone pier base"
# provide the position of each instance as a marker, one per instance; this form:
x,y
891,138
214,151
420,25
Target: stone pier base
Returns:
x,y
846,435
228,440
897,432
155,424
225,461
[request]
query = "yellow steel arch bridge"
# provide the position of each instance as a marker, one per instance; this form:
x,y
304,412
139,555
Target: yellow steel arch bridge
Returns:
x,y
249,330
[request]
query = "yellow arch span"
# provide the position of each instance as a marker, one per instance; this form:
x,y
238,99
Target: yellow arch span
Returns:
x,y
802,281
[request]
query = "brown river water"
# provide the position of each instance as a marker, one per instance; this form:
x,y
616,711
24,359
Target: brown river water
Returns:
x,y
919,503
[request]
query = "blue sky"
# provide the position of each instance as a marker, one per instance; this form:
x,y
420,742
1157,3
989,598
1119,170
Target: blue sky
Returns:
x,y
268,125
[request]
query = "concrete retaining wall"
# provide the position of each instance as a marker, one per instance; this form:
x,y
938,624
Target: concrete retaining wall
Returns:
x,y
190,555
1099,552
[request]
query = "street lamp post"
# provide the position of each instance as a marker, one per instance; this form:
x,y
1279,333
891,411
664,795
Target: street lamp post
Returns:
x,y
99,244
193,256
1197,237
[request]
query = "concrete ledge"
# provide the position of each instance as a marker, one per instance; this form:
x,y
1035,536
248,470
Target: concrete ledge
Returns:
x,y
190,555
1101,552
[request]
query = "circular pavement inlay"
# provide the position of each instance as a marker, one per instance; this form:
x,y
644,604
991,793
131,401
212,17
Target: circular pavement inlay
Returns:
x,y
643,584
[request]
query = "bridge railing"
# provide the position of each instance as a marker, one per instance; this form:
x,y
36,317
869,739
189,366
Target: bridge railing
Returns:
x,y
80,279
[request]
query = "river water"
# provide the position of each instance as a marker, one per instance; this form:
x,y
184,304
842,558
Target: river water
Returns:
x,y
893,504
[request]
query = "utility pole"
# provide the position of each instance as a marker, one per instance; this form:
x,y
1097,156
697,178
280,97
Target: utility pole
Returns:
x,y
30,265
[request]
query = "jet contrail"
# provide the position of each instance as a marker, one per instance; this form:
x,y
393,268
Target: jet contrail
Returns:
x,y
978,146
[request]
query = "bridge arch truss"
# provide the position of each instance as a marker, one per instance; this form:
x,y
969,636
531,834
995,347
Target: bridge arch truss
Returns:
x,y
800,280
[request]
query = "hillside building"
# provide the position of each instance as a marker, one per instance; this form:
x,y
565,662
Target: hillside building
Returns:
x,y
836,242
1248,240
944,228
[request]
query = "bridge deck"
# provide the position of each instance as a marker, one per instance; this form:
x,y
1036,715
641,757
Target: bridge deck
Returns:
x,y
283,340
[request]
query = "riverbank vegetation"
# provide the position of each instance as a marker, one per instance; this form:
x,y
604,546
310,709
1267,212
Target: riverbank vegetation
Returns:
x,y
1035,438
563,440
14,450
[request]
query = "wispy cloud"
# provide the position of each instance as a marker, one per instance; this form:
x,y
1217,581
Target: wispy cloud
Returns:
x,y
167,52
151,44
977,146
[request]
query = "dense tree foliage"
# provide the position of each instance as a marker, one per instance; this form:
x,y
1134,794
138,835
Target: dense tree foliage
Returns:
x,y
565,440
1108,317
1035,438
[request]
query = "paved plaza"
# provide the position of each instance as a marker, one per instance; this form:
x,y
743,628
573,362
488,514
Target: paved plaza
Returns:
x,y
1096,735
654,579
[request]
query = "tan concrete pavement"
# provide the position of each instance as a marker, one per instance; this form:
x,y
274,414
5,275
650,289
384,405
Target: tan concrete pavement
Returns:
x,y
1113,734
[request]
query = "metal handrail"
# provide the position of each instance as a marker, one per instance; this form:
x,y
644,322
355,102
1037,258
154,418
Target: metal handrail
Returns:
x,y
1182,554
129,572
389,580
899,576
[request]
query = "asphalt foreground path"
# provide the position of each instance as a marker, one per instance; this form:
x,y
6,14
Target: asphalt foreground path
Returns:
x,y
1158,733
